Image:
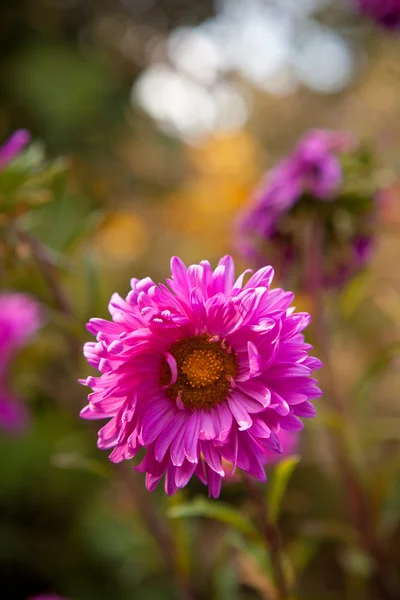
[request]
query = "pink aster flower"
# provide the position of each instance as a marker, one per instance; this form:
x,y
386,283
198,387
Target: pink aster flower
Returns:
x,y
13,146
206,369
20,317
384,12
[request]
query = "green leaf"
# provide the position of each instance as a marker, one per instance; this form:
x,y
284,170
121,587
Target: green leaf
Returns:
x,y
83,230
226,584
301,552
278,484
29,181
71,210
356,292
215,510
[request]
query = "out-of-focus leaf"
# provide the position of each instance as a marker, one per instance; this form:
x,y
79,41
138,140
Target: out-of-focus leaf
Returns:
x,y
330,530
382,429
254,569
226,583
356,561
69,209
357,290
215,510
183,538
68,91
278,484
375,369
84,229
389,498
75,461
15,173
29,182
331,420
301,551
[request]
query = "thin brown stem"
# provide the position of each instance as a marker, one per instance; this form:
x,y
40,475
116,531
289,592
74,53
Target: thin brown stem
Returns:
x,y
49,271
272,539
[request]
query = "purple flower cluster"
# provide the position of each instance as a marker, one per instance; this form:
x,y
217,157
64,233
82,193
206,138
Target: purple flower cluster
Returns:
x,y
19,319
313,168
308,183
384,12
13,146
206,369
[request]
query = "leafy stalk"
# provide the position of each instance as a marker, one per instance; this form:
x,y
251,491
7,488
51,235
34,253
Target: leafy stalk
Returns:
x,y
359,508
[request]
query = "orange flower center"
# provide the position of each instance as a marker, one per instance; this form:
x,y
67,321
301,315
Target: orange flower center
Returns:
x,y
205,371
202,368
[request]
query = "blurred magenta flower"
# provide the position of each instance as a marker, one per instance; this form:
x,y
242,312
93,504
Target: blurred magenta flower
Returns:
x,y
14,415
207,369
289,441
13,146
384,12
312,183
20,317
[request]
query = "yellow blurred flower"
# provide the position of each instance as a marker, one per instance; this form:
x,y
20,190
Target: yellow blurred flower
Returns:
x,y
235,155
225,169
123,237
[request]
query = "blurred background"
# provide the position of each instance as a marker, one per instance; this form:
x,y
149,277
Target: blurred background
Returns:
x,y
168,113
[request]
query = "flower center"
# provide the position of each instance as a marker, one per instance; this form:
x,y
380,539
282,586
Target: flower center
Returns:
x,y
205,369
202,368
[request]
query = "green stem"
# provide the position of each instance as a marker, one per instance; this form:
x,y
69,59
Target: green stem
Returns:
x,y
272,540
159,529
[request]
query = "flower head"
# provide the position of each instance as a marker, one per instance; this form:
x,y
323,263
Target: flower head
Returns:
x,y
209,368
20,317
13,146
384,12
326,178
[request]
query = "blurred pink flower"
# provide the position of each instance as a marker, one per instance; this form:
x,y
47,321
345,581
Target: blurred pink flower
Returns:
x,y
14,415
289,441
13,146
310,184
384,12
20,317
207,369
